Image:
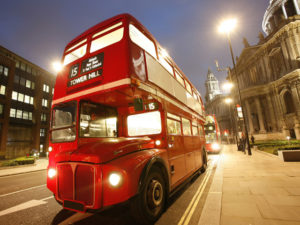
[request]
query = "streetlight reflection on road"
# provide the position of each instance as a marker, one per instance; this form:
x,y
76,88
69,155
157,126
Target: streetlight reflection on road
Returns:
x,y
227,26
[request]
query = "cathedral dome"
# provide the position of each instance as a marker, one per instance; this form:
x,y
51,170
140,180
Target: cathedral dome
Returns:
x,y
277,12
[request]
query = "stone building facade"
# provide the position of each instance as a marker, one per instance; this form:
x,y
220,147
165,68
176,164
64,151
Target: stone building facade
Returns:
x,y
25,101
269,74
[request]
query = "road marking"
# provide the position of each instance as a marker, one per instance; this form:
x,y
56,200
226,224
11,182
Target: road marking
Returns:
x,y
15,192
25,205
185,219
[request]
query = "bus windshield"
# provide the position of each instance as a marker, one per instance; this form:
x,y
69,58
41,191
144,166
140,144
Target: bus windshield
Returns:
x,y
97,120
64,122
210,132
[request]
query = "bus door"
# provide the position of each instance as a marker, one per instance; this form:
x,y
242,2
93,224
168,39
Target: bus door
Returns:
x,y
175,148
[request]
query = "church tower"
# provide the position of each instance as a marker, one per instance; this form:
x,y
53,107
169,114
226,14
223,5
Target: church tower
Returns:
x,y
212,86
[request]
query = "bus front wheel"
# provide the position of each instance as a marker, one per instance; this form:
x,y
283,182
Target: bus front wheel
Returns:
x,y
149,204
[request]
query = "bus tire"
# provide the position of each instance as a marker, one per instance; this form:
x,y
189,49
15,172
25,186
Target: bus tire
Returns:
x,y
204,157
149,204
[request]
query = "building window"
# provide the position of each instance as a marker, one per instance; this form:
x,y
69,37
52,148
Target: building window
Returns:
x,y
41,147
23,66
43,117
30,116
4,70
1,109
17,64
21,97
27,99
28,83
25,115
12,112
16,79
42,132
46,88
19,114
22,81
15,95
44,102
2,90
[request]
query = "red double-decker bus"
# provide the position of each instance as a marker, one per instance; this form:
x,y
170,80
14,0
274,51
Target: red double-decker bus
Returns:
x,y
126,123
212,134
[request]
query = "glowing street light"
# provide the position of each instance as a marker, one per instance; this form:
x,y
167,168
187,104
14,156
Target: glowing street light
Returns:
x,y
227,86
228,100
57,66
227,26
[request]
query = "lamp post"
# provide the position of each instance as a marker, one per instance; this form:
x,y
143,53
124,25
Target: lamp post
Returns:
x,y
229,101
226,27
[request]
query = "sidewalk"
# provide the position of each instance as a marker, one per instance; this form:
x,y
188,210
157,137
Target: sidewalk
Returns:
x,y
257,190
40,164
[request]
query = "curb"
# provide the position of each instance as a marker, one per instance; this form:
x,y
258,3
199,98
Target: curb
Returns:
x,y
15,167
12,174
211,213
265,153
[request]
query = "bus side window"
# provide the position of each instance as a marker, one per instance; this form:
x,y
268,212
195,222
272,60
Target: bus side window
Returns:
x,y
195,130
186,127
174,127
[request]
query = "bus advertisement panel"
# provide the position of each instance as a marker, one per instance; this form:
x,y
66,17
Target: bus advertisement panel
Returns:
x,y
212,134
126,123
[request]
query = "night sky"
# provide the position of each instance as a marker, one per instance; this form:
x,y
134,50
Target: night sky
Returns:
x,y
38,30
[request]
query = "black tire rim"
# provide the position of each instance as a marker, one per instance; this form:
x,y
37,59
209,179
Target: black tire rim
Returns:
x,y
155,195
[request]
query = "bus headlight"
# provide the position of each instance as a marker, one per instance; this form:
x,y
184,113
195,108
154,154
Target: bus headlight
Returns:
x,y
215,146
50,149
51,173
115,179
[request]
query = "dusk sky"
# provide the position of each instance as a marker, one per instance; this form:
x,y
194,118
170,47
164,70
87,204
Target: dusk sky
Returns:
x,y
38,30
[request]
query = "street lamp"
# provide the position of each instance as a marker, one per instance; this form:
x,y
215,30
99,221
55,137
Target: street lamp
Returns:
x,y
57,66
226,27
227,86
228,101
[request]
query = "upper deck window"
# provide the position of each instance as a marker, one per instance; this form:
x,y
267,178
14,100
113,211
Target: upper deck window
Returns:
x,y
107,39
107,29
141,40
179,78
188,87
144,124
74,46
165,64
74,55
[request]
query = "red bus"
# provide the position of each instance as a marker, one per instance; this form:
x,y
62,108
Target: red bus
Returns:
x,y
212,134
126,123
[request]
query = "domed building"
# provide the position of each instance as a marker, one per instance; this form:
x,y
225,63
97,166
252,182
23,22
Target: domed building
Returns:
x,y
269,74
212,86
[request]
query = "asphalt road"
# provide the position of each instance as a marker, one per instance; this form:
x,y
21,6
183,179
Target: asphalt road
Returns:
x,y
25,199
